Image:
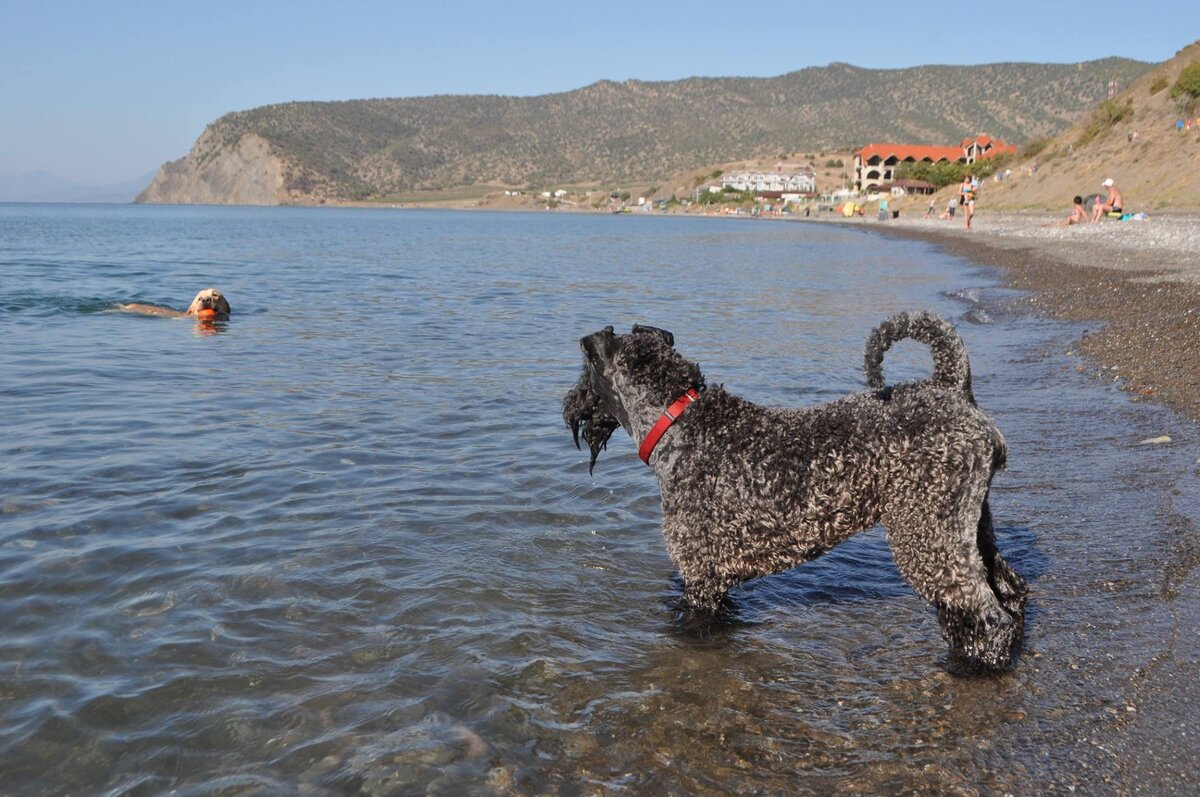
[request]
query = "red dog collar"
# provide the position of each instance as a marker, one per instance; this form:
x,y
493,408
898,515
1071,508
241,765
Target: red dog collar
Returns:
x,y
664,423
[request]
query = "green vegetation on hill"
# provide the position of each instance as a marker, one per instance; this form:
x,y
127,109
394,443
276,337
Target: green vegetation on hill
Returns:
x,y
943,174
619,132
1187,86
1106,116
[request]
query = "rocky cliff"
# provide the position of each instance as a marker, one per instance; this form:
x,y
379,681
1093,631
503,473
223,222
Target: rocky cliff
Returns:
x,y
245,172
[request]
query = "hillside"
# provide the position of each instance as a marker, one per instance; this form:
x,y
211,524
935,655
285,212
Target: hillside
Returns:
x,y
1156,170
609,132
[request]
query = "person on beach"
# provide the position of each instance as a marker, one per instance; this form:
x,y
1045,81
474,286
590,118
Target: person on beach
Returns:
x,y
1115,203
951,206
968,189
932,208
1078,215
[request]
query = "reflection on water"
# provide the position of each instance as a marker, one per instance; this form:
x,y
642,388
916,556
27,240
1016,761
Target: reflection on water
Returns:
x,y
354,549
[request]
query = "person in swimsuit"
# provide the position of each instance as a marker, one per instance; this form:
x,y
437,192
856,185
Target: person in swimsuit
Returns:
x,y
1078,215
968,198
1115,203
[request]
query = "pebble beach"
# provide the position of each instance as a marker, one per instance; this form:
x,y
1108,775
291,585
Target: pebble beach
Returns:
x,y
1139,281
1136,287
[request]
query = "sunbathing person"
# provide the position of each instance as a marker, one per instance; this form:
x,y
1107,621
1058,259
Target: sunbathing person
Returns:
x,y
1115,203
1078,215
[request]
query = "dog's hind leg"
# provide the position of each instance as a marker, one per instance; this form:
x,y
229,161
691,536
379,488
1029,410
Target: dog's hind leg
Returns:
x,y
938,551
1009,587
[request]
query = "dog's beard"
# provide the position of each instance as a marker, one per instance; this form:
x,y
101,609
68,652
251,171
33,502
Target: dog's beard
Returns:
x,y
582,409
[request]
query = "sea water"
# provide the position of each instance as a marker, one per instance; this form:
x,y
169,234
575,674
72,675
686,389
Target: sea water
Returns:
x,y
343,543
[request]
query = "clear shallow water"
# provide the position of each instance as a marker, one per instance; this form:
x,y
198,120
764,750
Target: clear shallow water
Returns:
x,y
346,545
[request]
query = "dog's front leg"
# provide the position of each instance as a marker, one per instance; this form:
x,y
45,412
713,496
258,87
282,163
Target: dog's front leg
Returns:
x,y
706,578
703,610
704,599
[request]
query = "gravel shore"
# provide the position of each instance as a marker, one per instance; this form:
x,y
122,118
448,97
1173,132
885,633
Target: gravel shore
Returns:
x,y
1139,280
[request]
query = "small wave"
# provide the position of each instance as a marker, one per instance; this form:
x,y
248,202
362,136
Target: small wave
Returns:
x,y
147,604
968,295
977,315
40,304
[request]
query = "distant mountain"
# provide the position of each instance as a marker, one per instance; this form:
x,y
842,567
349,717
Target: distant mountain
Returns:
x,y
608,133
43,186
30,187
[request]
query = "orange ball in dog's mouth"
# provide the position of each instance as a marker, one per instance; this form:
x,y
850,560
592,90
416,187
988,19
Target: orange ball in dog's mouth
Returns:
x,y
206,314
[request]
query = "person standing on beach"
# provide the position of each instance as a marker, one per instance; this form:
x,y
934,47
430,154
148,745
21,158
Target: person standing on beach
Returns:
x,y
968,189
1115,203
932,208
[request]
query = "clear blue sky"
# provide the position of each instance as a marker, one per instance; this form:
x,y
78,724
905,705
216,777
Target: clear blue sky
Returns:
x,y
101,91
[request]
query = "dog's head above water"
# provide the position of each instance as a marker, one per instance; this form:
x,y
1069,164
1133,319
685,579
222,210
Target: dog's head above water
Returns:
x,y
210,299
625,379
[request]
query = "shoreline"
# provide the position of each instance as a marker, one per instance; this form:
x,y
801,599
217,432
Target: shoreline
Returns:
x,y
1145,307
1145,300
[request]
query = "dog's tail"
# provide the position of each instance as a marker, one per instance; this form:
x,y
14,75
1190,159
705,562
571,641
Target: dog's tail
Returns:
x,y
951,368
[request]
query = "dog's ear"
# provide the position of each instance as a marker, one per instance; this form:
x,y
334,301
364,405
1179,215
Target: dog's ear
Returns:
x,y
666,336
223,304
599,344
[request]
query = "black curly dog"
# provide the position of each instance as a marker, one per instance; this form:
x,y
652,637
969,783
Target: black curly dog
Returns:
x,y
750,490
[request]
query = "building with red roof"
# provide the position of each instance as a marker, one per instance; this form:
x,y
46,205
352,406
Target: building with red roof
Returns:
x,y
875,164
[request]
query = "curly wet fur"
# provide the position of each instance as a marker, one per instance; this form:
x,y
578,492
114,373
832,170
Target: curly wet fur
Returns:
x,y
586,415
750,490
951,368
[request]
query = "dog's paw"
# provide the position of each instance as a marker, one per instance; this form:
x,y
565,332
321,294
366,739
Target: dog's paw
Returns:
x,y
984,644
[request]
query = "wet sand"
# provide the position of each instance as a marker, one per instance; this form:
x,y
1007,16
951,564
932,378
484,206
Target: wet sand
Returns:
x,y
1138,281
1139,284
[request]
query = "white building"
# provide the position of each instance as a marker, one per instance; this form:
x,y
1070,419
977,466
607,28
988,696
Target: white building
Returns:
x,y
771,182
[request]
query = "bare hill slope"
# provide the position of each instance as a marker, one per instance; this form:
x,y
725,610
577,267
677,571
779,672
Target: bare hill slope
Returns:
x,y
1156,169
